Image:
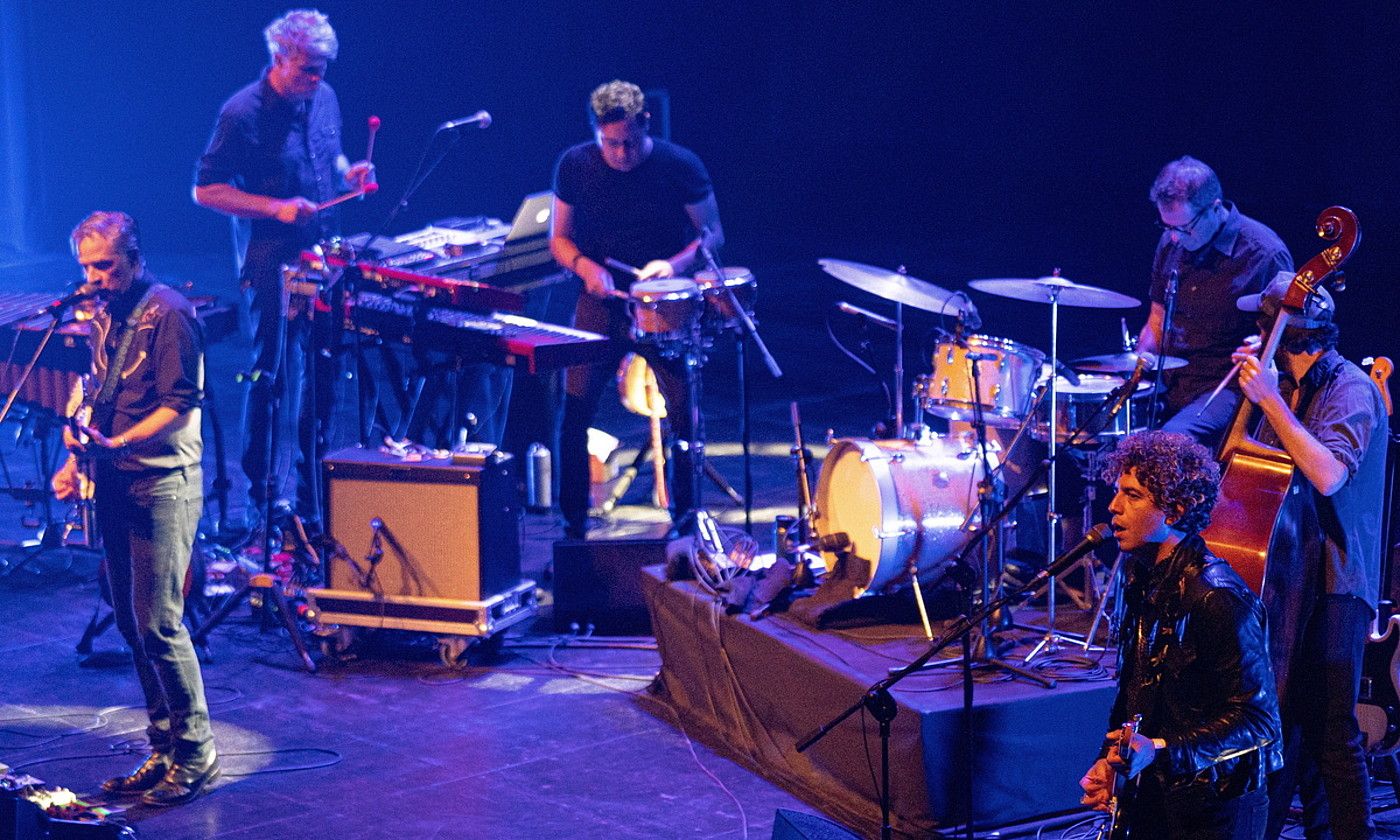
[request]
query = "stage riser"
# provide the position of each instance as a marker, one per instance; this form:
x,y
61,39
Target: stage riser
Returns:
x,y
754,689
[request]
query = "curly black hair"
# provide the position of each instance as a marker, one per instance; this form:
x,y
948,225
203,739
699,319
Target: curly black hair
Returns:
x,y
1181,475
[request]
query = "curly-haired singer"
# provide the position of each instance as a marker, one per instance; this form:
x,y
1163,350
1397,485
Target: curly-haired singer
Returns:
x,y
1193,660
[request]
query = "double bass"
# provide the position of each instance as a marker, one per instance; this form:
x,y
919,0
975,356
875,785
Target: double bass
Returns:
x,y
1255,477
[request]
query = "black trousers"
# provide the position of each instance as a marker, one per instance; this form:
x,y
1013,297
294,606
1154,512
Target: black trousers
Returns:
x,y
1321,738
1194,813
584,388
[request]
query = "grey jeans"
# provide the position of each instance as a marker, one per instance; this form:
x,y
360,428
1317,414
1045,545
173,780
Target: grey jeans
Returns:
x,y
148,523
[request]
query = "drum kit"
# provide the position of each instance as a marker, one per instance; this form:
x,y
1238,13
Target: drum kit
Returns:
x,y
913,505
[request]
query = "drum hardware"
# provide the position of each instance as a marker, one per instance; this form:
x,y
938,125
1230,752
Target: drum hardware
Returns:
x,y
1053,290
898,287
748,331
979,648
637,389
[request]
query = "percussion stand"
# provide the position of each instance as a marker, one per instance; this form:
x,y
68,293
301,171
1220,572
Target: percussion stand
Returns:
x,y
749,332
265,584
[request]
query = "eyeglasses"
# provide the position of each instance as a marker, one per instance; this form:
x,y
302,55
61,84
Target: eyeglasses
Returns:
x,y
1184,230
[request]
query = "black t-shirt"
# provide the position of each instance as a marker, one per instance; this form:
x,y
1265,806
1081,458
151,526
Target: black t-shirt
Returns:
x,y
636,216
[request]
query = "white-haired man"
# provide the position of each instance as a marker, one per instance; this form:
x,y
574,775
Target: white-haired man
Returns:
x,y
275,154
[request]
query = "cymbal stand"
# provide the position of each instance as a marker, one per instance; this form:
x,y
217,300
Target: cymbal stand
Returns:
x,y
977,652
1052,640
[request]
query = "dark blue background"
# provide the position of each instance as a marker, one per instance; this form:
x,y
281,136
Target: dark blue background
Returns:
x,y
959,139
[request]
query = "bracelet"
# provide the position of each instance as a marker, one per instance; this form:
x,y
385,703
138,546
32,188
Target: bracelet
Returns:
x,y
124,443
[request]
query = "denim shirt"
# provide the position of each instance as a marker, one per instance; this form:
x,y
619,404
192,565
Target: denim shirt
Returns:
x,y
266,145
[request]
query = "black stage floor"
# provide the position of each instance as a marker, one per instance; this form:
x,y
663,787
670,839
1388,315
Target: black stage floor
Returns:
x,y
557,738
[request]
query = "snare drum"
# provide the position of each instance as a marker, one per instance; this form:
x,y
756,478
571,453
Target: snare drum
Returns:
x,y
897,499
1076,405
720,314
666,313
1003,386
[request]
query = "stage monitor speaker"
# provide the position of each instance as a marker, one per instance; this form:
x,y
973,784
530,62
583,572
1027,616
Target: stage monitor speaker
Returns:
x,y
795,825
447,530
599,582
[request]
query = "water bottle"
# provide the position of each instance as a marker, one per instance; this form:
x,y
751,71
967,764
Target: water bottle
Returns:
x,y
539,478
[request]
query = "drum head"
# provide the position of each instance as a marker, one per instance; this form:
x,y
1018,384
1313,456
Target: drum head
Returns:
x,y
665,289
896,500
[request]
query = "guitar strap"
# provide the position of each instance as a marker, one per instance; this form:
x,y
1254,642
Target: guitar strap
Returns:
x,y
107,394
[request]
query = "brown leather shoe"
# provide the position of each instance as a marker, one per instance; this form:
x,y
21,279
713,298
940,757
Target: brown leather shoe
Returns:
x,y
182,782
143,778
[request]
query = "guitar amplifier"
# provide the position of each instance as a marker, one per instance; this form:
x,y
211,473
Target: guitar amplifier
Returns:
x,y
429,545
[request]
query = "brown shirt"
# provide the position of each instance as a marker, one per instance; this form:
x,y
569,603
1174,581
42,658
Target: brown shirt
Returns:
x,y
164,366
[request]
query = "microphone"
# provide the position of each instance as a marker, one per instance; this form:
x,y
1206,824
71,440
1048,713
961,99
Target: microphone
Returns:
x,y
481,119
83,292
878,320
1062,563
1067,372
1124,392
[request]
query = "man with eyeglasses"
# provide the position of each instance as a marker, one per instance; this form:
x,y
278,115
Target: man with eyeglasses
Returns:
x,y
1212,254
274,157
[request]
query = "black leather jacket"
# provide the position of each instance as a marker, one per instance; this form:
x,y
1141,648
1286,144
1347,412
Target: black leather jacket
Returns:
x,y
1194,661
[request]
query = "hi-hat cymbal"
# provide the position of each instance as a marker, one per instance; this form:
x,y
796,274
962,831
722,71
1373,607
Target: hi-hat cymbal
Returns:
x,y
901,288
1048,289
1122,363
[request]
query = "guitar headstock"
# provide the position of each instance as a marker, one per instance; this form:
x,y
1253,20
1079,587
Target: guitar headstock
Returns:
x,y
1381,369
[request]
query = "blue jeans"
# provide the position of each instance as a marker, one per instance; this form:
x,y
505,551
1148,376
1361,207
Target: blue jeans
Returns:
x,y
148,523
1206,427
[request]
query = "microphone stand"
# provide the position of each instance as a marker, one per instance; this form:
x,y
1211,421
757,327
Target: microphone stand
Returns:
x,y
1169,310
881,704
415,181
750,332
46,541
265,584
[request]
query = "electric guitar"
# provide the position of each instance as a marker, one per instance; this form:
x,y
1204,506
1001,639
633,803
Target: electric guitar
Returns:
x,y
1114,828
1378,707
79,413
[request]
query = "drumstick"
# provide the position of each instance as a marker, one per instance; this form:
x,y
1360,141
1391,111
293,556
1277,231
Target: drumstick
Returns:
x,y
622,266
364,190
369,144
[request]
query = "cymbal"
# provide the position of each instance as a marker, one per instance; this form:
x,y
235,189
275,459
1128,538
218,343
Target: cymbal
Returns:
x,y
1121,363
901,288
1044,289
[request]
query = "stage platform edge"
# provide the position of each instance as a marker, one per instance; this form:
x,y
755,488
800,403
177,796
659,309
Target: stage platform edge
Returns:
x,y
752,689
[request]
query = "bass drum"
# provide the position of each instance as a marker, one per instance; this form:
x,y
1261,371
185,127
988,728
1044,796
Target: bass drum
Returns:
x,y
895,500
